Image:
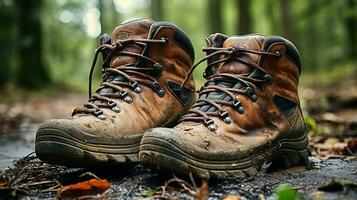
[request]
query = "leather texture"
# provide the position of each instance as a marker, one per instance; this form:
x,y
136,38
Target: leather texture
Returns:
x,y
262,121
262,125
148,109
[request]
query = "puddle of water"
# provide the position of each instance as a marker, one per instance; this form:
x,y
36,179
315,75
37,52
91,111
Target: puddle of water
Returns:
x,y
15,146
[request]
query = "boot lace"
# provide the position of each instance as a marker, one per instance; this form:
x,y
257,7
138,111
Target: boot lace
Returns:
x,y
248,82
131,76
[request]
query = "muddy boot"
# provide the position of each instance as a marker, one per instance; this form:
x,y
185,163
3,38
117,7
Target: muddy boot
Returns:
x,y
144,64
247,114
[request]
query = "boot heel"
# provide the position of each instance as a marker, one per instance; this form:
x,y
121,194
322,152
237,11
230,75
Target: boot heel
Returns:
x,y
288,158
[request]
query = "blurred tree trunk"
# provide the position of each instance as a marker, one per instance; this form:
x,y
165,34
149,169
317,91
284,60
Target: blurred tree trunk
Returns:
x,y
244,22
7,41
351,28
108,16
310,35
31,72
287,19
157,9
271,6
215,17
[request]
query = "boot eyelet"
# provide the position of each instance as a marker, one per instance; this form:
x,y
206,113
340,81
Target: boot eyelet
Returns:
x,y
225,117
254,97
100,114
248,90
223,113
158,89
212,127
210,124
158,68
165,39
250,93
268,79
278,53
116,109
114,106
228,120
208,121
126,97
241,110
135,86
238,106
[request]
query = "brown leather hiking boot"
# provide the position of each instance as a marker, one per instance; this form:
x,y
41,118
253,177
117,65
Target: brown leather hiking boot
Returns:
x,y
247,114
144,64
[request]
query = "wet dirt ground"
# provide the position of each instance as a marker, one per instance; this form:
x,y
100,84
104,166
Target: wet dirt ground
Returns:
x,y
137,181
15,146
332,174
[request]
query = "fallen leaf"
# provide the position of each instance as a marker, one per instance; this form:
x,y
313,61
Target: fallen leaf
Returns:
x,y
232,197
352,144
202,192
331,117
318,195
149,192
331,141
351,158
330,148
90,187
3,183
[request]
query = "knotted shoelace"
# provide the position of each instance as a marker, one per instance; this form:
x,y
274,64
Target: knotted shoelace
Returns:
x,y
249,83
131,77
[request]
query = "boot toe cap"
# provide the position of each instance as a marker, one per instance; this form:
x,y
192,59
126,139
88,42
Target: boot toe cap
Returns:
x,y
70,143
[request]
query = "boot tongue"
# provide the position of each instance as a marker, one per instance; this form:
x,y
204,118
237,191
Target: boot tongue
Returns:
x,y
242,42
138,29
233,67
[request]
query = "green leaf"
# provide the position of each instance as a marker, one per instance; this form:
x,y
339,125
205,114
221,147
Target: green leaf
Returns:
x,y
285,192
310,123
149,192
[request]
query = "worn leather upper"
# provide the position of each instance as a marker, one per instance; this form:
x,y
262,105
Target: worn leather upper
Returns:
x,y
148,109
263,121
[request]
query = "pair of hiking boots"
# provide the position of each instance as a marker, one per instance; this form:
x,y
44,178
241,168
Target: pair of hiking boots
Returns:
x,y
246,114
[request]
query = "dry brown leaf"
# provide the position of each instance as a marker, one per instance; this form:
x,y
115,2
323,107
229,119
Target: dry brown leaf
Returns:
x,y
90,187
3,183
315,139
334,148
352,144
338,148
331,141
351,158
331,147
232,197
202,192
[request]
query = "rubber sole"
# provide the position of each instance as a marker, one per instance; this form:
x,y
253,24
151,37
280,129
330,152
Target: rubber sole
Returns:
x,y
55,146
160,154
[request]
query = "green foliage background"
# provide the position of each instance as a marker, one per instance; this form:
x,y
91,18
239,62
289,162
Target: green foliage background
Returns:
x,y
323,30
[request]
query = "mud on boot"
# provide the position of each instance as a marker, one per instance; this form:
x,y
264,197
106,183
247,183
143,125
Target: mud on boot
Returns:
x,y
248,113
144,64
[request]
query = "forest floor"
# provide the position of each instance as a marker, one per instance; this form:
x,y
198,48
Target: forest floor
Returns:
x,y
330,113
